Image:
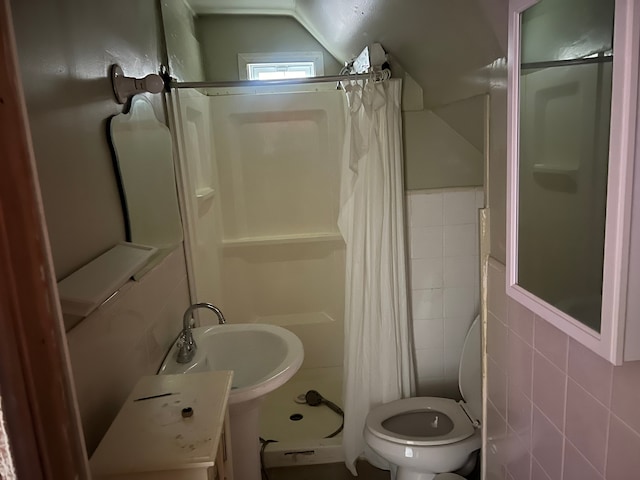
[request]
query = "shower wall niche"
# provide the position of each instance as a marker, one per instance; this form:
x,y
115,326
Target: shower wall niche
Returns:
x,y
273,219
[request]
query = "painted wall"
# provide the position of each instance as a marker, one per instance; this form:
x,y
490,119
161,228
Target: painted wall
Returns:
x,y
222,37
467,117
183,48
446,46
444,282
436,155
65,49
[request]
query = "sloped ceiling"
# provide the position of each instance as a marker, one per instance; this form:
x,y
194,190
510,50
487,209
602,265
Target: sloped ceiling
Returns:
x,y
445,45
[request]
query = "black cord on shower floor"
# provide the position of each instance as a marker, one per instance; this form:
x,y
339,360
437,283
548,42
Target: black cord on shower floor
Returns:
x,y
313,399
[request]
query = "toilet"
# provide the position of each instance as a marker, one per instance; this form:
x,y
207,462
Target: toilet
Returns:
x,y
428,437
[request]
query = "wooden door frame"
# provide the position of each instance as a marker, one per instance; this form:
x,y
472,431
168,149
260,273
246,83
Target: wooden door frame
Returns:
x,y
36,390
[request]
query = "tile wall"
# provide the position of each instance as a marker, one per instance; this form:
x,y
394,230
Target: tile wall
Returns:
x,y
444,281
555,410
125,339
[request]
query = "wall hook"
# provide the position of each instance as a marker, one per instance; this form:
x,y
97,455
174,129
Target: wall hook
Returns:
x,y
125,87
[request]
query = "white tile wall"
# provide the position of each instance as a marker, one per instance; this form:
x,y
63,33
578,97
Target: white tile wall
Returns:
x,y
426,273
427,304
444,282
426,242
425,209
459,207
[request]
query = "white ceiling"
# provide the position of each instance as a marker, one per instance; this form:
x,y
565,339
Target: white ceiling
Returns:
x,y
445,45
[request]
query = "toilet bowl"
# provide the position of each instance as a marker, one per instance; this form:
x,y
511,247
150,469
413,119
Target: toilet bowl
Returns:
x,y
427,436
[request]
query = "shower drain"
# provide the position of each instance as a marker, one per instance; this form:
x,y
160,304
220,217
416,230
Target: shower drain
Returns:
x,y
295,417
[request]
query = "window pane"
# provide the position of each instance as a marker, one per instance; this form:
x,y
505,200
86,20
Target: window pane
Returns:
x,y
276,70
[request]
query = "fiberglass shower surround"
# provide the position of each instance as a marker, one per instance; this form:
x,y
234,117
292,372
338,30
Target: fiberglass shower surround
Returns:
x,y
366,200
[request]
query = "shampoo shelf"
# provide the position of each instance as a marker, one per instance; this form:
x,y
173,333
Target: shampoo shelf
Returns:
x,y
550,169
283,240
205,193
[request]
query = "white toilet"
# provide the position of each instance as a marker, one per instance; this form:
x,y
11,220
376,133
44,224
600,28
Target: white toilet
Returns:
x,y
427,436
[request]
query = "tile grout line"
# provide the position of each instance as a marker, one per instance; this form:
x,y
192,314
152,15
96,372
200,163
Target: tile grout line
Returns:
x,y
564,412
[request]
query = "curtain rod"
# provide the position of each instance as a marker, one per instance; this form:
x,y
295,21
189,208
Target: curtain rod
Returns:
x,y
567,63
377,76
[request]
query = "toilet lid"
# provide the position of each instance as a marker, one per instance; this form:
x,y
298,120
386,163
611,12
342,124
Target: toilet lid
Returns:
x,y
470,372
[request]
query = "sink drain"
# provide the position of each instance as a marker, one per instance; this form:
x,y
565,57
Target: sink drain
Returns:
x,y
295,417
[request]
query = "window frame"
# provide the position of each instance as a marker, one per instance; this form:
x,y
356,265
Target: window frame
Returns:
x,y
244,59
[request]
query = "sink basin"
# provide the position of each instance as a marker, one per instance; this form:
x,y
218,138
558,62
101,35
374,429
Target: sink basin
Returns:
x,y
262,357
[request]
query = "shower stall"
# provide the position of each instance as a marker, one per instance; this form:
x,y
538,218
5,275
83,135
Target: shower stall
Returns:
x,y
260,185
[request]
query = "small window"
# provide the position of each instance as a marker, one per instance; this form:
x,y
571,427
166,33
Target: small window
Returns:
x,y
271,66
277,70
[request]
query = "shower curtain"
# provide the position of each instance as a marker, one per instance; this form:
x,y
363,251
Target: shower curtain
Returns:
x,y
378,363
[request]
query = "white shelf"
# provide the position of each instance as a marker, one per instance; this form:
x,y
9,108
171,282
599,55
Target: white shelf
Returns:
x,y
283,240
288,319
205,193
554,169
85,289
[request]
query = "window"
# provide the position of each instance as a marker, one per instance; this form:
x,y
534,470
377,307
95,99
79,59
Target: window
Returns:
x,y
276,70
271,66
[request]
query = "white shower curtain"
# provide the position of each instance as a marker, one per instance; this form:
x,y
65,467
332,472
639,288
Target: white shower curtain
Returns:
x,y
378,363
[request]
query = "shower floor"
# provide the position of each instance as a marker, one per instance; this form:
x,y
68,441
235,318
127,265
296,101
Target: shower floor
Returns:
x,y
302,442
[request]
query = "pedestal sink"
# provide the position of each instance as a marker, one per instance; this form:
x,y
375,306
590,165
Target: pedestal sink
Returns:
x,y
262,357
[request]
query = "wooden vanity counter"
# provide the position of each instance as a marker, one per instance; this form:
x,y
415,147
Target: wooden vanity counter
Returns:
x,y
153,437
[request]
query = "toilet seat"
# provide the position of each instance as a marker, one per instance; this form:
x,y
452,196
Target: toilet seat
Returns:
x,y
462,426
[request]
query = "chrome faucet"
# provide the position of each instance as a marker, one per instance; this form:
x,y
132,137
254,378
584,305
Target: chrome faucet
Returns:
x,y
188,345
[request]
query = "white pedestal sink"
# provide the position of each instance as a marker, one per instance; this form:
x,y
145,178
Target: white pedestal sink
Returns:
x,y
262,357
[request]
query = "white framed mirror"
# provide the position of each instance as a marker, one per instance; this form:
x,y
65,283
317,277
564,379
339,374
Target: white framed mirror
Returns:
x,y
573,67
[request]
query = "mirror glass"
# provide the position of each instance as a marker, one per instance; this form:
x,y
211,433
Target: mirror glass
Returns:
x,y
143,158
565,104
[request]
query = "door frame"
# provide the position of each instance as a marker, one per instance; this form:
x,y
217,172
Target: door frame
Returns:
x,y
36,389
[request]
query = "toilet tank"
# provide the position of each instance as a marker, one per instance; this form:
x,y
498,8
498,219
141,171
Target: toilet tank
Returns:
x,y
470,372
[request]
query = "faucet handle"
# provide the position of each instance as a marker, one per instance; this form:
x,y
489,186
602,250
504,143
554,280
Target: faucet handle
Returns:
x,y
186,348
